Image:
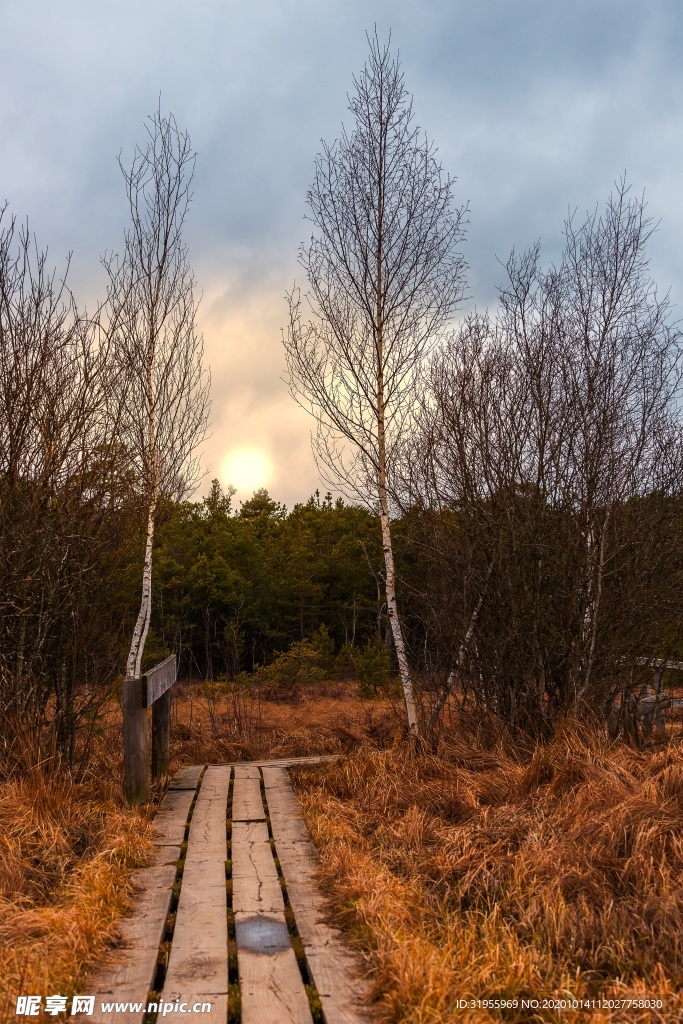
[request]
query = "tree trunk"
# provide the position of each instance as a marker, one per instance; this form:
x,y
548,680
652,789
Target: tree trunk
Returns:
x,y
462,653
395,623
595,576
137,646
390,571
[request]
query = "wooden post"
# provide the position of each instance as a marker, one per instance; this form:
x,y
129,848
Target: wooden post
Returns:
x,y
658,713
161,728
135,741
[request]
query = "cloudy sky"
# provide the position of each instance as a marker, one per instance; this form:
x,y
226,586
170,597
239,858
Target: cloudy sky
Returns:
x,y
536,106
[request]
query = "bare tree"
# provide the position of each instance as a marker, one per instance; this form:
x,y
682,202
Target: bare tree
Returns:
x,y
552,433
158,351
62,498
602,356
384,278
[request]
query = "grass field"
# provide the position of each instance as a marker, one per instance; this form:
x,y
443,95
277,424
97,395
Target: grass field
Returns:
x,y
481,874
484,873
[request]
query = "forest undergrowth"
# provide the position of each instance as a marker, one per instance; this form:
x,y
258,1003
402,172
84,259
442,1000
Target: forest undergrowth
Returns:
x,y
487,874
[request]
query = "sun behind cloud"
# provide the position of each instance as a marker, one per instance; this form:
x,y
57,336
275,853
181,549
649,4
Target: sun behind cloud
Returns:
x,y
247,469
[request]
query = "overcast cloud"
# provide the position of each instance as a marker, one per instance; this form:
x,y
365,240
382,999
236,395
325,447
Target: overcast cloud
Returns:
x,y
535,105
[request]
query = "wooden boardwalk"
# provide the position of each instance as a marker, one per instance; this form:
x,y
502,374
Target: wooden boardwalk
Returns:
x,y
192,909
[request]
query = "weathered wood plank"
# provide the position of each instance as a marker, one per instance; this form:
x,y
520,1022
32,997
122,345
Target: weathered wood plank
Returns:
x,y
283,804
336,971
654,663
161,734
171,818
187,778
285,761
247,804
271,989
255,883
128,972
160,679
198,963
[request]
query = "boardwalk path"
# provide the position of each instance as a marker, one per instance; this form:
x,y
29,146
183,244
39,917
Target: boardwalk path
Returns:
x,y
203,903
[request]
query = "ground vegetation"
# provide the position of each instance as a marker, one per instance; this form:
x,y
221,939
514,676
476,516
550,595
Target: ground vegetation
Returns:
x,y
493,872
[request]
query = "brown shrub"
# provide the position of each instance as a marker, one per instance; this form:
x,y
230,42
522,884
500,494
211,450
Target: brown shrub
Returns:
x,y
324,721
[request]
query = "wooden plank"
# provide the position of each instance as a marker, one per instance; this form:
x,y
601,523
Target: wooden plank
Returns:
x,y
248,770
171,818
135,743
255,883
285,761
187,777
336,971
160,679
128,972
198,963
271,989
654,663
247,804
128,975
283,804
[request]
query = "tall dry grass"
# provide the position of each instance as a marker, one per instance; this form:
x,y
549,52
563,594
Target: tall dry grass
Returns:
x,y
69,843
68,848
483,874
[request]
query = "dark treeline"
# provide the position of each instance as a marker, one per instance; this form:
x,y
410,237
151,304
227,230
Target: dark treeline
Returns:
x,y
235,587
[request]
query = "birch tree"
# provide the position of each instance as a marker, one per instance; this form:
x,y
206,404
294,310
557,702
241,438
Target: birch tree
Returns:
x,y
384,276
163,387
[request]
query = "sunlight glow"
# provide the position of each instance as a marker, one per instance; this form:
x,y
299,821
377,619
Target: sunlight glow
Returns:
x,y
247,469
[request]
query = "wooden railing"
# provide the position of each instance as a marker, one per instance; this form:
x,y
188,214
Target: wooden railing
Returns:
x,y
152,690
653,703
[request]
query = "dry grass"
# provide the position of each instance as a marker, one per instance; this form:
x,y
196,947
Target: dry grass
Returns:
x,y
476,874
67,851
484,875
328,719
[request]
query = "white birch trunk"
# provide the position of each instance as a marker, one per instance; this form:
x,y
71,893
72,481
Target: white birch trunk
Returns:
x,y
595,575
462,651
390,570
137,646
395,623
